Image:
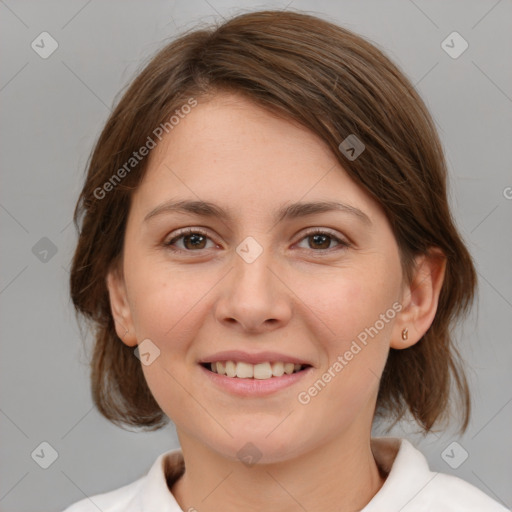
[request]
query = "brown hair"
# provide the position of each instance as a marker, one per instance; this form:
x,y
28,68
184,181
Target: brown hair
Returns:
x,y
335,83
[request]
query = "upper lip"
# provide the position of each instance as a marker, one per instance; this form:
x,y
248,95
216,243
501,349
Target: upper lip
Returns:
x,y
256,358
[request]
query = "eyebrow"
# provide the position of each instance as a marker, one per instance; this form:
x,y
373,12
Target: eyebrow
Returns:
x,y
286,212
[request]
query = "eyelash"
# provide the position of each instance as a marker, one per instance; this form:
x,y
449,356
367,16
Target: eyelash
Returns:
x,y
194,231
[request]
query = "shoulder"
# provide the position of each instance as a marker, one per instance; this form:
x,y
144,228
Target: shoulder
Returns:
x,y
453,493
150,492
411,486
112,501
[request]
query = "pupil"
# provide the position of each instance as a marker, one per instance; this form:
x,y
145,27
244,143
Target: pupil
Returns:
x,y
316,237
195,236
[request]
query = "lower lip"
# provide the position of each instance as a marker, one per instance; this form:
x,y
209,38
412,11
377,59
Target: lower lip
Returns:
x,y
254,387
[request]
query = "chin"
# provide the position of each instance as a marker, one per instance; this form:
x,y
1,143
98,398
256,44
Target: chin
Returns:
x,y
253,448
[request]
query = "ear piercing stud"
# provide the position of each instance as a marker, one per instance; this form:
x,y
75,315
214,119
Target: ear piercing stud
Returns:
x,y
405,334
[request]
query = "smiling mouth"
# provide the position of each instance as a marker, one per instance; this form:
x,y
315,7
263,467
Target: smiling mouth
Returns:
x,y
259,371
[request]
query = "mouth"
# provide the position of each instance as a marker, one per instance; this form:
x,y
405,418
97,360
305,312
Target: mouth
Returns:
x,y
260,371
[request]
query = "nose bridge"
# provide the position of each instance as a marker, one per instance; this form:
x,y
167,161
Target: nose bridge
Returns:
x,y
254,295
252,262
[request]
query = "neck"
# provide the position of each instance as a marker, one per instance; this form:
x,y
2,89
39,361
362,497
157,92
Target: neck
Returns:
x,y
315,480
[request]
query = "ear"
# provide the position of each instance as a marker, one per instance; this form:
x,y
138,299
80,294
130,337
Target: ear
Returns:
x,y
420,299
119,306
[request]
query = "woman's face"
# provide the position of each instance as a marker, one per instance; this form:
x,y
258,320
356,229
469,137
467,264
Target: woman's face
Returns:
x,y
265,288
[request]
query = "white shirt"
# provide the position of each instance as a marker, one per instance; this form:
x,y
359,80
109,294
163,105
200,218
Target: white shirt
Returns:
x,y
410,486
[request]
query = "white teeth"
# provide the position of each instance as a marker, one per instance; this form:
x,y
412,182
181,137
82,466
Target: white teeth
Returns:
x,y
262,371
277,369
244,370
288,368
230,369
259,371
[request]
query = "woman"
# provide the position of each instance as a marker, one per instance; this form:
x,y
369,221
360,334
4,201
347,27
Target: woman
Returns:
x,y
267,253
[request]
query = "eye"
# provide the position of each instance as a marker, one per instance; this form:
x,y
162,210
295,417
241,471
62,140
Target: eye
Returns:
x,y
321,239
192,239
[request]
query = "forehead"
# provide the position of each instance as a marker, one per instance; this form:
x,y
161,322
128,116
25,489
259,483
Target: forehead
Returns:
x,y
229,128
231,151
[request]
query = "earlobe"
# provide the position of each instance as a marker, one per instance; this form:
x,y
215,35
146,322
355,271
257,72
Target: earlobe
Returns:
x,y
420,300
120,308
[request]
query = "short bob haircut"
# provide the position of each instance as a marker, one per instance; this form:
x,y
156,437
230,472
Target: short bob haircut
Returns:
x,y
335,83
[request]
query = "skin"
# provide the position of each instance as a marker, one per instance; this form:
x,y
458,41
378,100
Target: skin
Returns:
x,y
302,297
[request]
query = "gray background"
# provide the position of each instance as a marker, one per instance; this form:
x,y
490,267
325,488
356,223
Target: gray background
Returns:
x,y
52,111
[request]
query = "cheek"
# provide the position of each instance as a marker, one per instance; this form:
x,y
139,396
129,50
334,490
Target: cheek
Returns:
x,y
160,301
164,309
353,304
359,313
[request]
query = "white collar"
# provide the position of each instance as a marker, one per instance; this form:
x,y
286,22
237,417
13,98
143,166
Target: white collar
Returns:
x,y
410,486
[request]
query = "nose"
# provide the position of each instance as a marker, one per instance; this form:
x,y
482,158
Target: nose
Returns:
x,y
254,299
